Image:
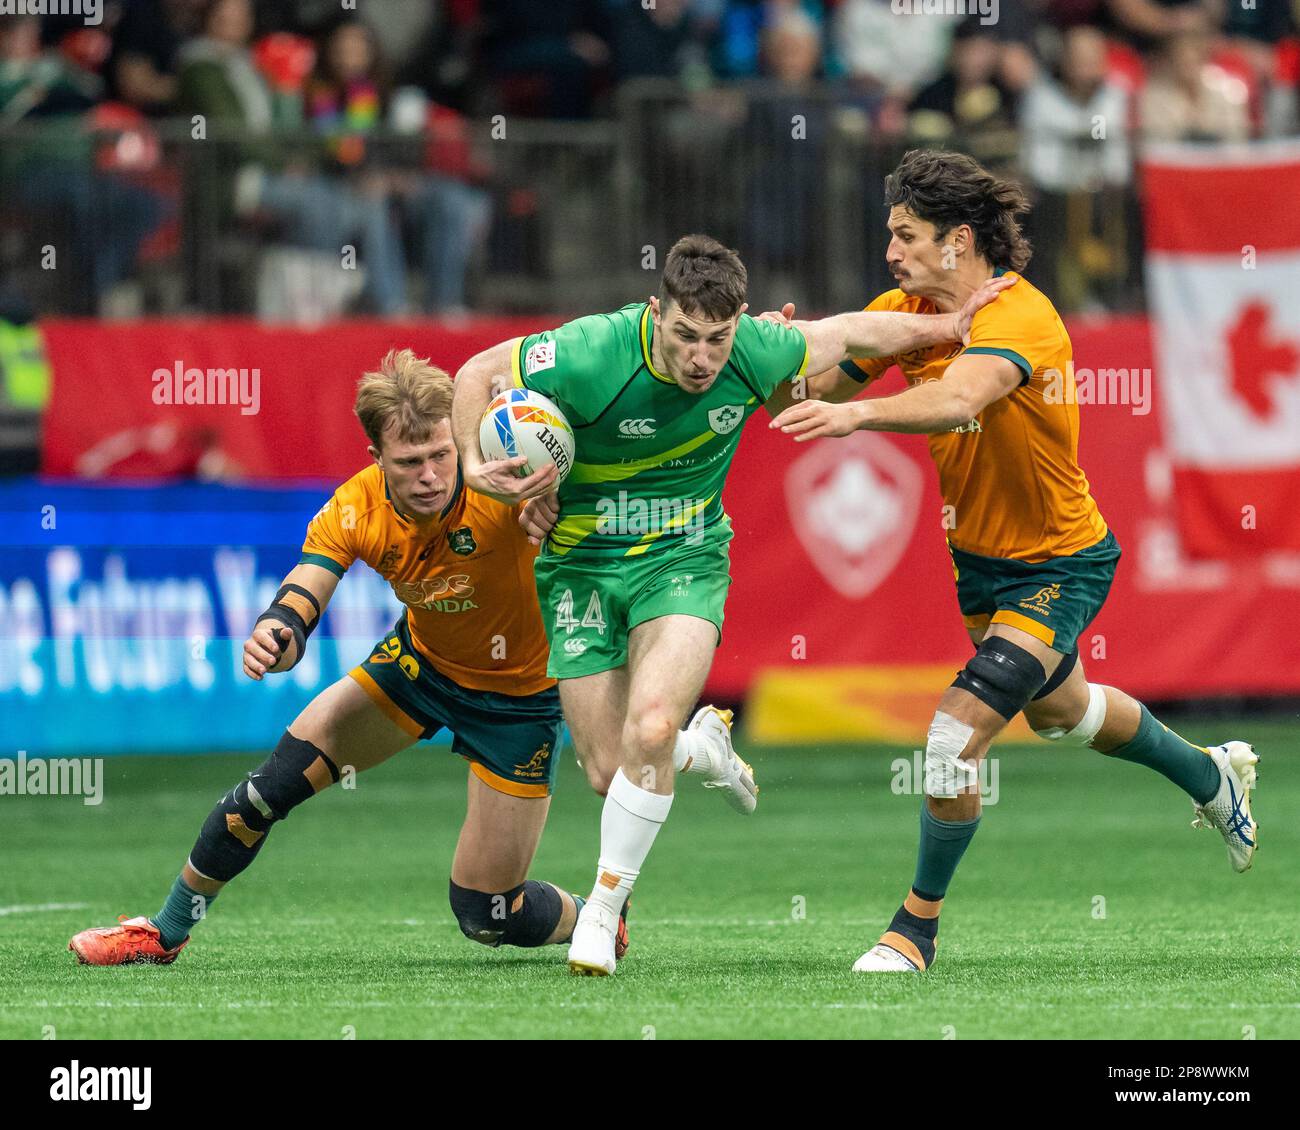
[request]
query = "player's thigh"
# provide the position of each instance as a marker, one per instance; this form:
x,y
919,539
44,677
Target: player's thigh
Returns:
x,y
498,839
668,660
595,707
344,722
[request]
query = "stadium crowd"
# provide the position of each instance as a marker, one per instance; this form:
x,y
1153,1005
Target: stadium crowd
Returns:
x,y
388,94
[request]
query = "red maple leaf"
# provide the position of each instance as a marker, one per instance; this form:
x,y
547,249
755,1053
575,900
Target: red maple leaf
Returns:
x,y
1255,357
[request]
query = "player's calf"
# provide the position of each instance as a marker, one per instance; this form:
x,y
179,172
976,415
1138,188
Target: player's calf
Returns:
x,y
237,827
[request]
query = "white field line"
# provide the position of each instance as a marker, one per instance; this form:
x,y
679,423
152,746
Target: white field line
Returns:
x,y
42,907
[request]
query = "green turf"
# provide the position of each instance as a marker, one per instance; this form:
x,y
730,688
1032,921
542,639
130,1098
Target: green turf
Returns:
x,y
342,924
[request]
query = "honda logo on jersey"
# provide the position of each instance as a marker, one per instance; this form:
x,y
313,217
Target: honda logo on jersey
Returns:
x,y
854,504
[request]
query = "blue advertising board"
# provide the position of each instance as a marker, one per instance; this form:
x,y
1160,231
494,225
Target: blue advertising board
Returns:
x,y
124,609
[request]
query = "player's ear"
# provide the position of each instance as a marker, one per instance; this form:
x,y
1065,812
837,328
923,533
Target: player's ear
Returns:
x,y
374,454
743,307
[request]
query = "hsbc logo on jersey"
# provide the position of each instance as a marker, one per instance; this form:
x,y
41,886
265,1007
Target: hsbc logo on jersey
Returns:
x,y
854,505
540,355
636,429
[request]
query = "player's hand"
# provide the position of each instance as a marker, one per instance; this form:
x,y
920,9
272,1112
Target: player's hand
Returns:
x,y
977,301
269,648
538,516
499,479
813,419
782,317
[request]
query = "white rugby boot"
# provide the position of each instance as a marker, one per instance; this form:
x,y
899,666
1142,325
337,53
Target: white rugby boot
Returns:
x,y
729,771
591,949
1229,809
880,958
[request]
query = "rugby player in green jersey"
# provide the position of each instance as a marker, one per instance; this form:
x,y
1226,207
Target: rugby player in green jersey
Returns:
x,y
634,571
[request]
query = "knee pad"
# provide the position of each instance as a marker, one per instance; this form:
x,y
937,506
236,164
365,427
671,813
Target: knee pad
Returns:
x,y
235,830
1088,726
525,915
481,916
1002,675
947,774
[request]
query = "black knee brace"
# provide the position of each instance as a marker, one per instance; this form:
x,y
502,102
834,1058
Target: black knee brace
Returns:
x,y
1002,675
235,830
523,916
1057,677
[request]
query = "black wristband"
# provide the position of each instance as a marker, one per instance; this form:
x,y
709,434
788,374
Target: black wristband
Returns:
x,y
292,606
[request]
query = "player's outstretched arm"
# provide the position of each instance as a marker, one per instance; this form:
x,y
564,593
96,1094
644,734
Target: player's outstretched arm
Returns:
x,y
969,386
280,634
887,333
474,390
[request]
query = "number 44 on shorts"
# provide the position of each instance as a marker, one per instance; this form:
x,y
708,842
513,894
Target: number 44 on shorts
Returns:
x,y
594,617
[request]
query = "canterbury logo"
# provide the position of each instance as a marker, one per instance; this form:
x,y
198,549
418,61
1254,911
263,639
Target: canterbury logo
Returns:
x,y
575,647
634,428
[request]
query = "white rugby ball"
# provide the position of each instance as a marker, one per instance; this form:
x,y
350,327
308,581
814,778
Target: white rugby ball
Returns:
x,y
523,422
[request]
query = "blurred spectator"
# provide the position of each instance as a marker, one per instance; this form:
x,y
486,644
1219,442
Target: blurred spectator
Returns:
x,y
143,66
744,24
546,60
968,105
887,56
1074,122
787,137
670,40
348,99
1189,98
219,80
1149,24
1077,156
50,173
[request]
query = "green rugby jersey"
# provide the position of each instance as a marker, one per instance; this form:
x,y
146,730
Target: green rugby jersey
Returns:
x,y
651,458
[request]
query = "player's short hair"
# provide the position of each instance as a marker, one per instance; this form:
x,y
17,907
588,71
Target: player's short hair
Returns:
x,y
704,278
406,389
951,189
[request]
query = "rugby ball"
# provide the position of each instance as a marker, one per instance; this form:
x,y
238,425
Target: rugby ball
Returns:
x,y
522,422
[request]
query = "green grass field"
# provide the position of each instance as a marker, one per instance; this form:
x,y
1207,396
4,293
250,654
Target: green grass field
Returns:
x,y
342,925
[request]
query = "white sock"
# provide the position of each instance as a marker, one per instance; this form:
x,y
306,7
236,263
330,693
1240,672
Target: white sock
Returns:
x,y
629,823
691,753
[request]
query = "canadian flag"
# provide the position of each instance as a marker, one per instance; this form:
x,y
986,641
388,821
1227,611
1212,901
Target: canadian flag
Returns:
x,y
1223,272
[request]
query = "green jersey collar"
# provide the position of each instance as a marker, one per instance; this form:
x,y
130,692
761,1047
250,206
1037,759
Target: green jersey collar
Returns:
x,y
647,342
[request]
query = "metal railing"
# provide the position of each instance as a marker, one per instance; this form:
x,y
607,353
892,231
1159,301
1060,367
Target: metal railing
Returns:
x,y
580,214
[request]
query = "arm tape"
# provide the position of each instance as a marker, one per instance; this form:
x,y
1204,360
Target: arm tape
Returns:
x,y
298,609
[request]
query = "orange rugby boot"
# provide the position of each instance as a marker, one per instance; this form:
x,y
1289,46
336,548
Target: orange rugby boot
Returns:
x,y
135,941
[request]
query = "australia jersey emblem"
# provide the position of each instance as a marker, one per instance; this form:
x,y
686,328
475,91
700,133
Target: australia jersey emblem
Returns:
x,y
726,419
462,541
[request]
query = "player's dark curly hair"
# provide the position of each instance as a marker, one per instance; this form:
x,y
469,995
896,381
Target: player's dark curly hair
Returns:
x,y
704,278
951,189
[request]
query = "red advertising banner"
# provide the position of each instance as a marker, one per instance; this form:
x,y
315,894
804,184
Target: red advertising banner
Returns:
x,y
839,556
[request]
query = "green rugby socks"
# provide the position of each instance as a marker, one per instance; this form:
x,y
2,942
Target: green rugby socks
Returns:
x,y
180,913
1190,767
943,843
